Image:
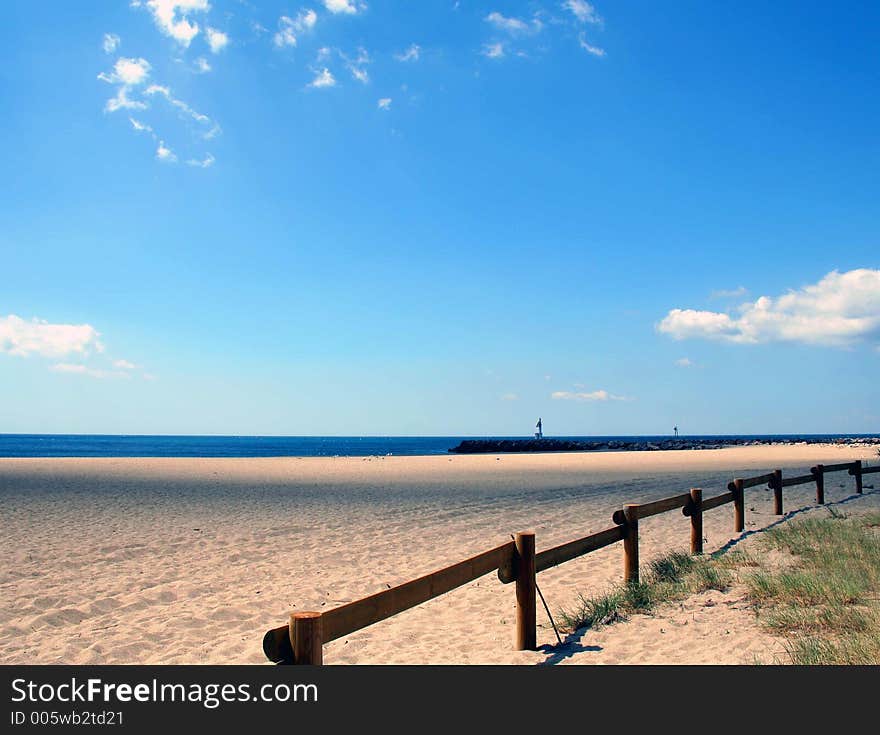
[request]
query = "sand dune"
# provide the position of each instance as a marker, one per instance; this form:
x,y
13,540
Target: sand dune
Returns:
x,y
191,560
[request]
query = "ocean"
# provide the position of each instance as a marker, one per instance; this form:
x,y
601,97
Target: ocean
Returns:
x,y
100,445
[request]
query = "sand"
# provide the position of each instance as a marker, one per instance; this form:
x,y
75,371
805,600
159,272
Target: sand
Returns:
x,y
172,561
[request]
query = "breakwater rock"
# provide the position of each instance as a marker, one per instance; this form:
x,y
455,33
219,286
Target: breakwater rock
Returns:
x,y
497,446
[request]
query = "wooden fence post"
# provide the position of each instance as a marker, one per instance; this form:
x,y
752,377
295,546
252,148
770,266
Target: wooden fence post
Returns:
x,y
307,638
526,601
739,506
818,473
777,492
858,473
631,544
697,521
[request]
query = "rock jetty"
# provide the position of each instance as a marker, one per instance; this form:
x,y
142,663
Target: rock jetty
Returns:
x,y
497,446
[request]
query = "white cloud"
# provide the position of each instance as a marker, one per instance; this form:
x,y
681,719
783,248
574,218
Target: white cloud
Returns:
x,y
733,293
172,17
841,309
77,369
323,79
514,26
411,54
110,43
594,50
306,19
23,338
583,11
202,65
289,27
285,35
165,92
139,126
510,397
493,50
124,365
206,162
344,6
684,362
356,65
596,395
163,153
384,103
217,40
122,102
129,72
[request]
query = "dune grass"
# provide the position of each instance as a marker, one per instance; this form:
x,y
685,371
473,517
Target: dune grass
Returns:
x,y
671,577
823,600
825,603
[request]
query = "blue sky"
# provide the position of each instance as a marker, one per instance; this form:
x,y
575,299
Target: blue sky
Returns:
x,y
446,218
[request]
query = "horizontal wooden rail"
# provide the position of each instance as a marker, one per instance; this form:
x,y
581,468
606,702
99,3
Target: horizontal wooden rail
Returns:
x,y
715,502
866,470
646,510
754,481
838,467
345,619
799,480
573,549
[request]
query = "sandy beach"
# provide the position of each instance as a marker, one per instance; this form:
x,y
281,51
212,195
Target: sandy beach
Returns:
x,y
188,561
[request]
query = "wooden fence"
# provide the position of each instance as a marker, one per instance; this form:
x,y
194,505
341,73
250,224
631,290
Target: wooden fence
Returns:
x,y
301,641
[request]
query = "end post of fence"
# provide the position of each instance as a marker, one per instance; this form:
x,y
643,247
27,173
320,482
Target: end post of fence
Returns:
x,y
631,544
697,521
307,638
776,483
526,599
818,473
857,471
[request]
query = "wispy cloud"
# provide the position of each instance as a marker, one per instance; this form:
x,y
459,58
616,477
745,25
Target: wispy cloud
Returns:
x,y
357,63
590,49
583,11
110,43
510,397
684,362
288,27
23,338
164,153
584,397
139,126
206,162
202,65
217,40
122,369
733,293
493,50
411,54
384,103
323,79
514,26
184,108
842,309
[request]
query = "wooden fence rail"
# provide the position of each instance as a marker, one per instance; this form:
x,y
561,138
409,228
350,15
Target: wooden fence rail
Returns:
x,y
301,641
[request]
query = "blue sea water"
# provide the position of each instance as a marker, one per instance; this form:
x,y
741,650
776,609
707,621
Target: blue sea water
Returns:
x,y
89,445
